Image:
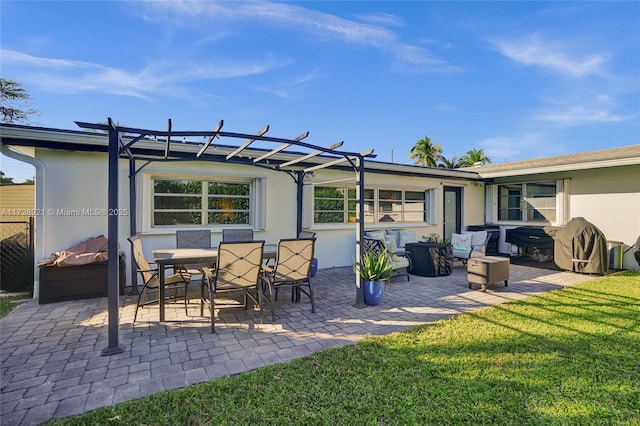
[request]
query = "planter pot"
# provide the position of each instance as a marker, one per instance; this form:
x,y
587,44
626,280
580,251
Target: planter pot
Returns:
x,y
314,267
373,292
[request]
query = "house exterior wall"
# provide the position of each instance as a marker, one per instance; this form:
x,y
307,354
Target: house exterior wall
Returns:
x,y
71,194
610,199
607,197
75,186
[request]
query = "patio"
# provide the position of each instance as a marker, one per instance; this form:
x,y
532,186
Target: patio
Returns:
x,y
50,354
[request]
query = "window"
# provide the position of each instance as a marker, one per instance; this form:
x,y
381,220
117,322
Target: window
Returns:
x,y
338,205
200,202
527,202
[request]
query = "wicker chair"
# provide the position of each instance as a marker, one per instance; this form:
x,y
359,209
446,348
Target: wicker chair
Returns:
x,y
237,271
175,282
401,264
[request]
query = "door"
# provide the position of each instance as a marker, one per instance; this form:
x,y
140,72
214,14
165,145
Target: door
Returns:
x,y
452,211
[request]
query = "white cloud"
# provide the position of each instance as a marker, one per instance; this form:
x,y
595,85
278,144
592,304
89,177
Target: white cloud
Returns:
x,y
511,148
598,109
382,19
71,76
311,21
555,55
579,114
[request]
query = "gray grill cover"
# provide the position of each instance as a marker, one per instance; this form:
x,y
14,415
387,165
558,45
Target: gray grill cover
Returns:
x,y
581,247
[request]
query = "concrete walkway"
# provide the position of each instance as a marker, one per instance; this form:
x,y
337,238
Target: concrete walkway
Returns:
x,y
50,362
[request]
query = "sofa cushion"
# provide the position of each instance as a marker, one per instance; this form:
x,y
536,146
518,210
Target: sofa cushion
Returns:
x,y
406,237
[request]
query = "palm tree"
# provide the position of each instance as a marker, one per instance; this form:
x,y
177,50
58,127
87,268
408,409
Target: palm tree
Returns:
x,y
425,153
454,163
473,157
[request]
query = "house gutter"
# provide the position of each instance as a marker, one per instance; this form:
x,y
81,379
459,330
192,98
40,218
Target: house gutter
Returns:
x,y
39,219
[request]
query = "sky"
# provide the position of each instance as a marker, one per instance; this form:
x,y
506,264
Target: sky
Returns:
x,y
519,80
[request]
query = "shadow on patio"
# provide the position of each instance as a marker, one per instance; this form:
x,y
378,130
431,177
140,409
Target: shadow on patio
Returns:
x,y
51,364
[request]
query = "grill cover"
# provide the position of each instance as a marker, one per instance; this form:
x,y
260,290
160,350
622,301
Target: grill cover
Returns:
x,y
532,236
581,247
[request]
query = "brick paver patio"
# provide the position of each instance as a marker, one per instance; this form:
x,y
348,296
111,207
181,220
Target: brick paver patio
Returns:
x,y
50,362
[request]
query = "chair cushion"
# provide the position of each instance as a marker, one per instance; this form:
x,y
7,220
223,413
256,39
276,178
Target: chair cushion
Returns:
x,y
399,262
461,243
478,238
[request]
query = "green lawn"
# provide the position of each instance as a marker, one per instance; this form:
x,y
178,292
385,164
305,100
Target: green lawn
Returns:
x,y
7,304
568,357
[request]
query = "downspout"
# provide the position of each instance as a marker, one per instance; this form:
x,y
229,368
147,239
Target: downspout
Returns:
x,y
38,251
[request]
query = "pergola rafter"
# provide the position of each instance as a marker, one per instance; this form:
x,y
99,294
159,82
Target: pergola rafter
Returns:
x,y
324,157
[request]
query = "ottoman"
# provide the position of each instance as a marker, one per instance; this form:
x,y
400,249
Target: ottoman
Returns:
x,y
487,270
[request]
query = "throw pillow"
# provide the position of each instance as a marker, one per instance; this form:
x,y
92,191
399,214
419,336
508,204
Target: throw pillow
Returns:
x,y
375,235
406,237
461,242
395,232
390,243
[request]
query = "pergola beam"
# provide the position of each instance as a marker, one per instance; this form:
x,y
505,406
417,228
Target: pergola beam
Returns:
x,y
247,143
310,155
281,148
211,138
337,161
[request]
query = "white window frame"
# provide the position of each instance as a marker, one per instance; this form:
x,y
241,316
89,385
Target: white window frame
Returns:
x,y
257,200
560,203
371,217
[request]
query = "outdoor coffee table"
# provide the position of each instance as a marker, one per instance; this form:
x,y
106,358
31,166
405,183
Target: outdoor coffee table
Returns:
x,y
487,270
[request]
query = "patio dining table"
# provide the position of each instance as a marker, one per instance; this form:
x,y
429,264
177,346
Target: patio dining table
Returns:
x,y
181,256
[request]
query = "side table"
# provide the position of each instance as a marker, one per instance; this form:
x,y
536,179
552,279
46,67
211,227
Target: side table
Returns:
x,y
487,270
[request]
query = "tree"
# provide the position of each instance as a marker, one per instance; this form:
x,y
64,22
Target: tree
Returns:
x,y
454,163
14,102
473,157
5,179
425,153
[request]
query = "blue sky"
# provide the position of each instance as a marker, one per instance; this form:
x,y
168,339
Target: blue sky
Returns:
x,y
518,79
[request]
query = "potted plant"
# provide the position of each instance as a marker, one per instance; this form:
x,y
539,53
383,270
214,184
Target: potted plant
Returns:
x,y
375,270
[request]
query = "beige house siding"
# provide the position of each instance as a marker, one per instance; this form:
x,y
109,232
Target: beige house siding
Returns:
x,y
17,201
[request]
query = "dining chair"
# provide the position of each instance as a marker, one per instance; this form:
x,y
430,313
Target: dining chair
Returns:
x,y
151,279
237,234
306,234
237,271
193,239
292,269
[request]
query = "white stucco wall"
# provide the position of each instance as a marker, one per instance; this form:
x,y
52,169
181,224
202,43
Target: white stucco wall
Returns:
x,y
610,199
76,183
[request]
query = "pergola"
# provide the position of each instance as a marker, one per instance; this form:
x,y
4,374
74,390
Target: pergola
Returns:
x,y
298,165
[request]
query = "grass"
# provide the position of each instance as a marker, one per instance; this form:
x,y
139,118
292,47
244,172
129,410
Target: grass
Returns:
x,y
568,357
9,303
